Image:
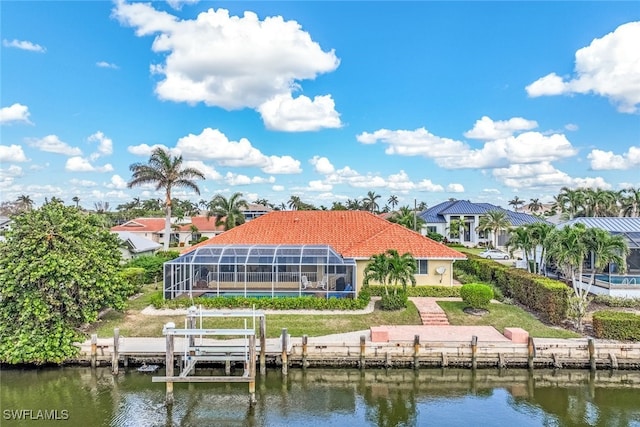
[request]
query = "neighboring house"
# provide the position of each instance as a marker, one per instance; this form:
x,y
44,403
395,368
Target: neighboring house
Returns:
x,y
5,223
182,233
134,245
438,220
254,211
290,251
629,227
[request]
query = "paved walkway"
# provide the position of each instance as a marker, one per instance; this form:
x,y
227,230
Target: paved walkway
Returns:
x,y
430,312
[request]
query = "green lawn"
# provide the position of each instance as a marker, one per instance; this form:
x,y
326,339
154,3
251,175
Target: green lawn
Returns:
x,y
501,316
134,324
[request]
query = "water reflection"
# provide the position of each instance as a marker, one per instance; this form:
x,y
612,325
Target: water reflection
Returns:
x,y
327,397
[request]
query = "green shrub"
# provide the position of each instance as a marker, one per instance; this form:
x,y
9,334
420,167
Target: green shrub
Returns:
x,y
152,264
394,302
435,236
420,291
616,325
617,301
547,297
134,276
476,295
283,303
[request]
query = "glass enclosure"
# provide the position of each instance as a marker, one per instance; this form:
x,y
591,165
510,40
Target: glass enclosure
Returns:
x,y
260,270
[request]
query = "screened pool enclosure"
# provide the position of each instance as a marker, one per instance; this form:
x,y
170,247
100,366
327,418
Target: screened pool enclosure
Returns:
x,y
260,270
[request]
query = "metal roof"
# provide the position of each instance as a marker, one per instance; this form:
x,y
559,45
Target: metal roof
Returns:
x,y
612,224
436,213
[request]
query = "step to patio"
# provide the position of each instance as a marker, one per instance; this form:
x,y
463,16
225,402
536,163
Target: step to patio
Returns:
x,y
434,319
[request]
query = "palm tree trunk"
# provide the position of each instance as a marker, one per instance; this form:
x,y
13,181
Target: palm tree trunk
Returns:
x,y
167,227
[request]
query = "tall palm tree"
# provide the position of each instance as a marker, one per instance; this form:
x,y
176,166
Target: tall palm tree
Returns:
x,y
521,238
353,205
630,202
494,221
402,269
165,172
228,212
393,201
572,201
77,200
540,232
25,202
534,205
456,226
516,202
569,246
377,270
101,207
406,217
294,203
370,202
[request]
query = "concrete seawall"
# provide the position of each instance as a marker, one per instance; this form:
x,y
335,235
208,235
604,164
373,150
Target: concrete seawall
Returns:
x,y
356,349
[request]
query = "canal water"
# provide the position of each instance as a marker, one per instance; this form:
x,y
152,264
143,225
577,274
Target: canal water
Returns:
x,y
77,396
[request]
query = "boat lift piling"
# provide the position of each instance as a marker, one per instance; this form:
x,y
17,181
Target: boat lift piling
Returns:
x,y
238,349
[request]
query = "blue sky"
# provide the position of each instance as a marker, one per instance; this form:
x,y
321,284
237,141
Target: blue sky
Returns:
x,y
323,100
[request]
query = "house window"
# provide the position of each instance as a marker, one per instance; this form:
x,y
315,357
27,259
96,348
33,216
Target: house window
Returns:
x,y
423,265
431,229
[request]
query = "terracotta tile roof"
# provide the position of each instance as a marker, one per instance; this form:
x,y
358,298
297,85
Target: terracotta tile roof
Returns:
x,y
203,224
354,234
153,225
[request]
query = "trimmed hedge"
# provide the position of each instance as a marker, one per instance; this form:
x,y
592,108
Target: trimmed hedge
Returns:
x,y
393,302
421,291
282,303
547,297
476,295
617,301
134,277
616,325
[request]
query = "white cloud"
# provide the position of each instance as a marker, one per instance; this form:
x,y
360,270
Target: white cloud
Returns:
x,y
117,182
609,67
527,147
487,129
15,113
455,188
320,186
8,176
208,171
277,187
427,185
79,164
23,45
282,165
12,153
606,160
284,113
231,62
177,4
144,149
105,64
83,182
52,144
211,144
238,179
413,143
105,145
322,165
542,175
571,127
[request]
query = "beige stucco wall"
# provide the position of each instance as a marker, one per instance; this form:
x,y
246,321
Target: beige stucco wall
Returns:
x,y
432,278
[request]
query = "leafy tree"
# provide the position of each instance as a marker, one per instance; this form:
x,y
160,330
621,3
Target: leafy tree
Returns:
x,y
630,202
58,268
569,246
228,212
165,172
408,218
402,269
377,270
